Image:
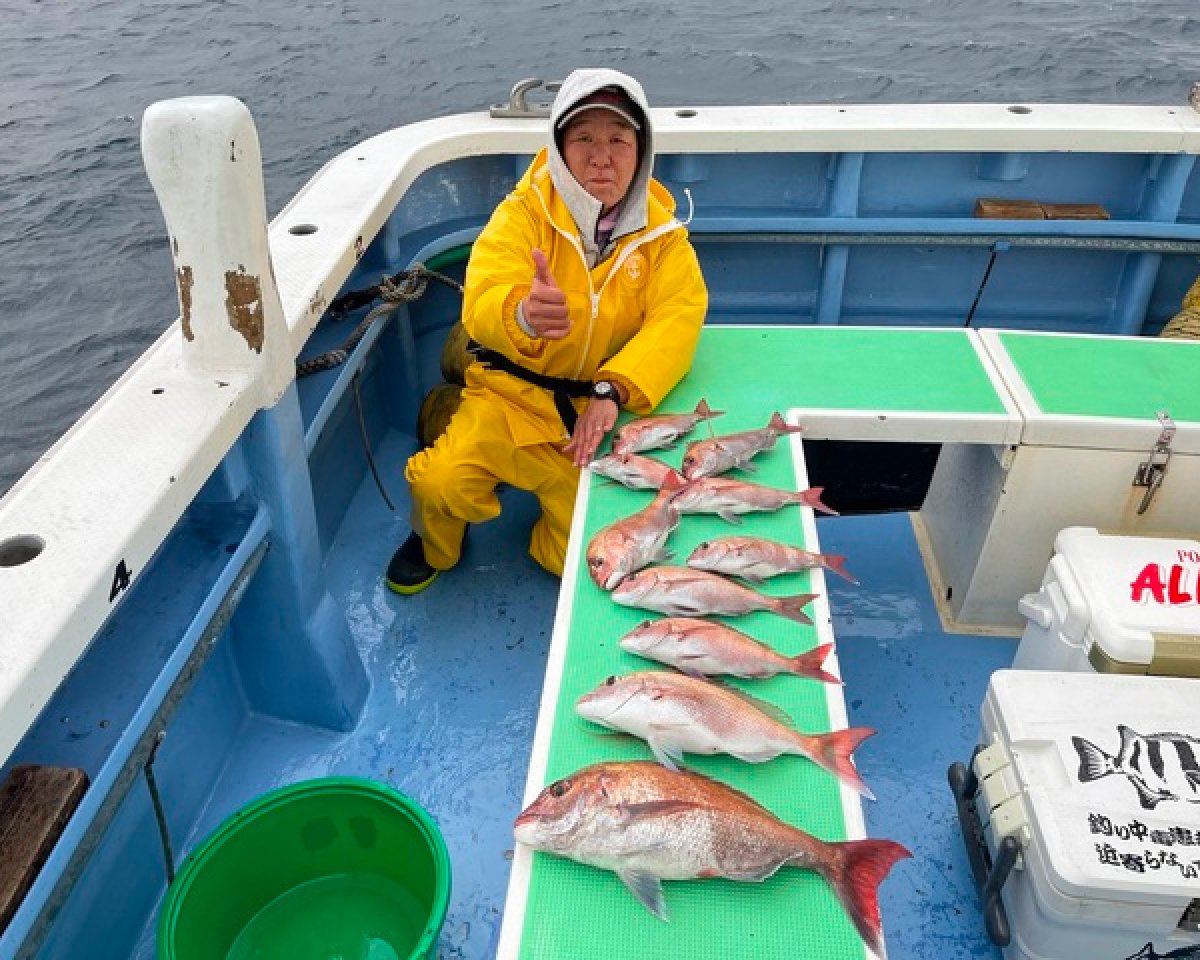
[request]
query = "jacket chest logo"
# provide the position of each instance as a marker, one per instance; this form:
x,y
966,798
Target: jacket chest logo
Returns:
x,y
636,270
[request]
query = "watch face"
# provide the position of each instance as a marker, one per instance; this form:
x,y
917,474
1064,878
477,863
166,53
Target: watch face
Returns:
x,y
605,389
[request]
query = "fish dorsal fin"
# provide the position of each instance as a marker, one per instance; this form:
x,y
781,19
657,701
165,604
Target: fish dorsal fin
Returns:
x,y
771,710
647,888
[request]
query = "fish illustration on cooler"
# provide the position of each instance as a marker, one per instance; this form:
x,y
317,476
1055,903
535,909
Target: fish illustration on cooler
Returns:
x,y
1161,766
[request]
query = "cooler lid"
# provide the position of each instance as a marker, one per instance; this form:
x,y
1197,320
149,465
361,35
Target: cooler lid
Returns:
x,y
1109,766
1136,598
1100,392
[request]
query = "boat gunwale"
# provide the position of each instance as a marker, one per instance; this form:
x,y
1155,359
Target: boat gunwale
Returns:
x,y
358,190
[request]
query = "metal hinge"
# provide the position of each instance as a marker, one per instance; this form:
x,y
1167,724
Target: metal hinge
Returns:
x,y
518,105
1150,472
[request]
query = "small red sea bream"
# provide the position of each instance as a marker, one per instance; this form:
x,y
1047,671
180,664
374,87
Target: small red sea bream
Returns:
x,y
705,458
632,470
709,648
677,714
727,498
630,544
682,592
648,824
661,430
756,559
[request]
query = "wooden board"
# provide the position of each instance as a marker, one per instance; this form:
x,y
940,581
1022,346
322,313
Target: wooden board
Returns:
x,y
35,804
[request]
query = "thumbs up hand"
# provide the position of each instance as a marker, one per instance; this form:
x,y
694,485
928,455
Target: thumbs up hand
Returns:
x,y
545,308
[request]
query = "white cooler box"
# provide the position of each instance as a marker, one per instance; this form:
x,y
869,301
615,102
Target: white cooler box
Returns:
x,y
1115,604
1097,777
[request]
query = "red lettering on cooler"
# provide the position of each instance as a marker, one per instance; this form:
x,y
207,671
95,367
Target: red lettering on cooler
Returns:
x,y
1179,587
1175,591
1148,579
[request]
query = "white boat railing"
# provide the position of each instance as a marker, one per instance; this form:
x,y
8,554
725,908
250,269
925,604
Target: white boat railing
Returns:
x,y
78,530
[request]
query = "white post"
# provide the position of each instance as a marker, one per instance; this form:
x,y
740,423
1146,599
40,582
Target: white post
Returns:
x,y
203,160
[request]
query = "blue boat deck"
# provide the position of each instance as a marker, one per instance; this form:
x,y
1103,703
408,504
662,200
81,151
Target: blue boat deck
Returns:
x,y
456,678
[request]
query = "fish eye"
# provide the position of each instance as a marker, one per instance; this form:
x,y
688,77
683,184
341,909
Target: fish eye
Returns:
x,y
610,681
703,546
560,788
595,562
645,624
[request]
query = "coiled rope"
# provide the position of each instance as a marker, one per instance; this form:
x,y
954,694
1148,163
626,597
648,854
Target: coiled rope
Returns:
x,y
1186,323
405,287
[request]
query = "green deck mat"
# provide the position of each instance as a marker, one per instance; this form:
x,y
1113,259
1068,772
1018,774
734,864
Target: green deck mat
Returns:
x,y
1096,377
933,371
581,912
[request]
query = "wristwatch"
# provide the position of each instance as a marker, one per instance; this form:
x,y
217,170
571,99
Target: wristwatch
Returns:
x,y
606,390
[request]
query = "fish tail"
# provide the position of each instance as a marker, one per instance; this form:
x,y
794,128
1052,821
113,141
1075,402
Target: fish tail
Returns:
x,y
832,751
673,481
705,411
1094,763
855,869
793,607
837,563
810,664
781,426
812,498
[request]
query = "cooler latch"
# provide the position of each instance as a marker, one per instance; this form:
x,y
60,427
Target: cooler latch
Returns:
x,y
1151,471
1002,810
990,808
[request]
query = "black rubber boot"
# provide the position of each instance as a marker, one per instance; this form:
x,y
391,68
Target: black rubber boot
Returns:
x,y
408,572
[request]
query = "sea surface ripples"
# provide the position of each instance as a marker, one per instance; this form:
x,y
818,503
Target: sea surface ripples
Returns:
x,y
85,274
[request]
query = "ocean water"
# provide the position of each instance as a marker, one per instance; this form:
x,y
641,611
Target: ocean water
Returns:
x,y
85,273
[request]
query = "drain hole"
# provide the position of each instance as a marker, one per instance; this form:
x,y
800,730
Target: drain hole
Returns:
x,y
18,550
1020,110
303,229
685,113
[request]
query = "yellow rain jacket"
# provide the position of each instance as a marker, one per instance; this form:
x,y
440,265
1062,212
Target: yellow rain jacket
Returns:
x,y
636,316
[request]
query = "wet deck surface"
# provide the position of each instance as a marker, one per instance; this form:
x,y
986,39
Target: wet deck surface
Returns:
x,y
456,677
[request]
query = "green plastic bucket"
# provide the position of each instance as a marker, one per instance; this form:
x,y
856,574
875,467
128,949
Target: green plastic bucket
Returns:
x,y
337,867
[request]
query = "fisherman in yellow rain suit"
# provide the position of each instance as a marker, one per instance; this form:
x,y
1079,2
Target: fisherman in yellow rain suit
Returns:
x,y
583,293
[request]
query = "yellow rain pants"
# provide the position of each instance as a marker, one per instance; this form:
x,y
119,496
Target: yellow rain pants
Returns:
x,y
454,483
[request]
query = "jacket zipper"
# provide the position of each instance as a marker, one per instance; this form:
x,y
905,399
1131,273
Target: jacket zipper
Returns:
x,y
594,294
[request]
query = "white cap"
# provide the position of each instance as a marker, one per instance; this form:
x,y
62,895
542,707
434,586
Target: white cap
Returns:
x,y
609,98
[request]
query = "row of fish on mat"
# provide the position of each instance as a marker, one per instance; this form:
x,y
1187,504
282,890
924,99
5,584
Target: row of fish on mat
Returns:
x,y
652,821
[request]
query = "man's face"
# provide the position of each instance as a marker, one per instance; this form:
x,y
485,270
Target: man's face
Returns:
x,y
601,152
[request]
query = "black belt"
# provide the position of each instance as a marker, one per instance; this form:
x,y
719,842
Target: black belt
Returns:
x,y
562,388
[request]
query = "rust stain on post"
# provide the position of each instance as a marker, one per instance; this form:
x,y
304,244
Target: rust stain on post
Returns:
x,y
183,277
244,306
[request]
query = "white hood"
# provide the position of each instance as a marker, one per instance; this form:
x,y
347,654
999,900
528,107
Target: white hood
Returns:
x,y
583,206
